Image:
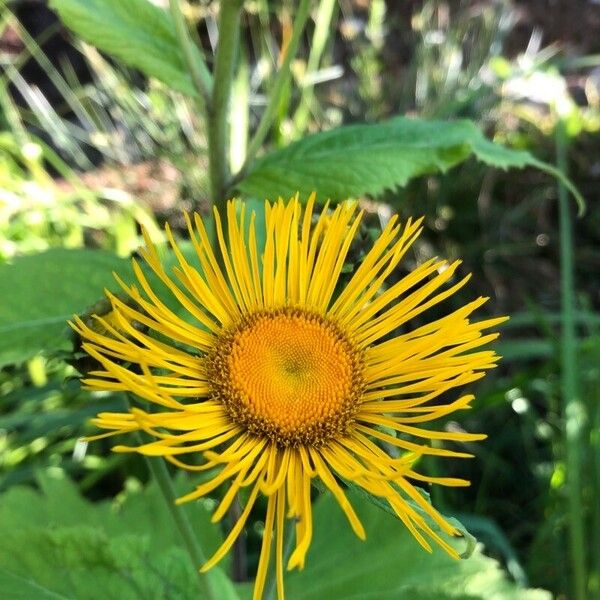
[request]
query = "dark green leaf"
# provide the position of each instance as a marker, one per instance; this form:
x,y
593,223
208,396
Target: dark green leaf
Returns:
x,y
41,292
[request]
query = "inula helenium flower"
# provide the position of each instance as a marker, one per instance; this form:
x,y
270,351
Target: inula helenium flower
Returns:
x,y
273,376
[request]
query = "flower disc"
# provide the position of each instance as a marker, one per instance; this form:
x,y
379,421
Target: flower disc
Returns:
x,y
288,374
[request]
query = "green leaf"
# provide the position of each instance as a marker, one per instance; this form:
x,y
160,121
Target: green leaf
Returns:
x,y
42,291
55,544
136,512
390,564
137,32
81,563
367,159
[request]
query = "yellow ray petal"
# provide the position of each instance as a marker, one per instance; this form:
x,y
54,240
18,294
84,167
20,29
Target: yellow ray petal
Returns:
x,y
233,534
328,479
265,552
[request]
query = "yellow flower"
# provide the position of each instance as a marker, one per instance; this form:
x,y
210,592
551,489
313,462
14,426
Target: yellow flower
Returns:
x,y
274,376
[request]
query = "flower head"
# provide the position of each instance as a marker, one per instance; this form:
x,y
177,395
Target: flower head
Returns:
x,y
273,376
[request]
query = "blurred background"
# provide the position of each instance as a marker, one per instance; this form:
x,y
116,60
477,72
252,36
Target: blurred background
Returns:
x,y
91,150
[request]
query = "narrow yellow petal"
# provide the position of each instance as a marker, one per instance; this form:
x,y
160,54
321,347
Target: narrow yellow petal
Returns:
x,y
279,542
233,534
328,479
265,552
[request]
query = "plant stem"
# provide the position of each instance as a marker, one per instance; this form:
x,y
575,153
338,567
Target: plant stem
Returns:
x,y
278,86
573,409
158,468
199,72
218,156
238,138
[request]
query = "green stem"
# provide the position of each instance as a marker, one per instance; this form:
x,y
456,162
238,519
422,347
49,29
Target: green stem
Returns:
x,y
160,474
199,72
573,409
218,156
281,81
240,113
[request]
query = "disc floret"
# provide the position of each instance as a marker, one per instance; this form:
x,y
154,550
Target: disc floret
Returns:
x,y
290,375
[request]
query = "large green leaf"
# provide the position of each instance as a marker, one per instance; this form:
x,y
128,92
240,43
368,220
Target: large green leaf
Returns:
x,y
81,563
390,564
137,32
368,159
55,544
42,291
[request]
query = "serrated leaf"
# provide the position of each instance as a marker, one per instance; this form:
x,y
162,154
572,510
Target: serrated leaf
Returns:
x,y
358,160
42,291
137,32
390,564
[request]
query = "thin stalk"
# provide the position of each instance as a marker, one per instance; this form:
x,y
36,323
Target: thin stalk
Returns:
x,y
240,103
573,409
320,36
279,85
199,72
595,452
157,467
161,475
218,156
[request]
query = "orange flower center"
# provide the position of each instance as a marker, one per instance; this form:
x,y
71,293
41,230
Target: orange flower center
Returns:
x,y
288,374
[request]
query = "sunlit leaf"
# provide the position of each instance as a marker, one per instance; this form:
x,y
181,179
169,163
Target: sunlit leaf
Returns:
x,y
137,32
359,160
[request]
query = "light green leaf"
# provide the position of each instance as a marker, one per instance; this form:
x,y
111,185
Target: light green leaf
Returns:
x,y
390,564
42,291
55,544
356,160
137,32
80,563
